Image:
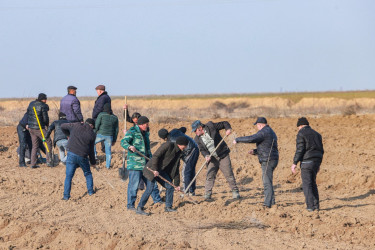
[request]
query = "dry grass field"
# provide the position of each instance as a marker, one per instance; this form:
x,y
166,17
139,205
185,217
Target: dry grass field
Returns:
x,y
33,216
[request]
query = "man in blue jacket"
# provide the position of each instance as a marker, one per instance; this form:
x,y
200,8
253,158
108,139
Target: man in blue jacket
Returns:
x,y
71,106
268,155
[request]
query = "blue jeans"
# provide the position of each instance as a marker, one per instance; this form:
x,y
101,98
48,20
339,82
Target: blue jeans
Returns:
x,y
188,169
135,177
267,178
74,161
107,144
61,144
149,190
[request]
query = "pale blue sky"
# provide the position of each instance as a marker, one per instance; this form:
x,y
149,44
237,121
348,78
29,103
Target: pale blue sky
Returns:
x,y
185,47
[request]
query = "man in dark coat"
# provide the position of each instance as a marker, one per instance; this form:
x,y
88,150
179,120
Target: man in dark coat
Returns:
x,y
80,153
268,155
36,137
59,138
309,151
208,138
70,106
102,99
165,162
189,157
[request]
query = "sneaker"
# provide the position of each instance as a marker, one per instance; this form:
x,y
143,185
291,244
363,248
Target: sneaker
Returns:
x,y
35,166
169,209
141,211
310,209
22,165
207,196
50,164
65,199
236,194
131,208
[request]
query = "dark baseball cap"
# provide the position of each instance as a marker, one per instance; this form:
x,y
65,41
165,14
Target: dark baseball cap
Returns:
x,y
261,120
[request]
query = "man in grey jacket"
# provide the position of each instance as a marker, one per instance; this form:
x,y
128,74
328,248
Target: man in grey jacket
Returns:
x,y
268,155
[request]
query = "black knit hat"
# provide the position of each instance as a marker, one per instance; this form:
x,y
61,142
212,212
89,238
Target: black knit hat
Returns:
x,y
302,121
182,140
183,130
163,133
42,96
90,121
142,120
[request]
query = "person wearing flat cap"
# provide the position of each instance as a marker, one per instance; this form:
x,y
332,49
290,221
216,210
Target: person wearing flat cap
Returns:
x,y
80,153
217,156
137,138
70,106
41,109
102,99
268,155
165,163
309,151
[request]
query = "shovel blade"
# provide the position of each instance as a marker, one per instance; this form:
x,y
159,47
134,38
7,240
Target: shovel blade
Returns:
x,y
123,173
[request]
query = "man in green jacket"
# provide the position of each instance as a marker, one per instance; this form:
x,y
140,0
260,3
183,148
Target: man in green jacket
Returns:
x,y
137,138
106,131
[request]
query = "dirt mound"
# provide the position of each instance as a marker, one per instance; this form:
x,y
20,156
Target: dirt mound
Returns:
x,y
33,216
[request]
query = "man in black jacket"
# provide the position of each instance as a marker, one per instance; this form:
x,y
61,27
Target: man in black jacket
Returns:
x,y
24,139
59,138
208,137
165,162
268,155
102,99
309,151
36,137
80,151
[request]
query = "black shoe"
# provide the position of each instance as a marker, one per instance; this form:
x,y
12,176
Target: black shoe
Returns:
x,y
310,209
141,212
131,208
35,166
50,164
169,209
65,199
22,165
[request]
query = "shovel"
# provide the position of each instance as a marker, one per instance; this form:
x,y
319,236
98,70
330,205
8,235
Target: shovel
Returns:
x,y
123,172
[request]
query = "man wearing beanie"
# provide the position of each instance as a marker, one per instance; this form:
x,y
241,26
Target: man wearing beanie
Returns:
x,y
71,106
80,153
106,126
137,138
189,156
309,152
36,137
165,162
268,155
208,138
59,138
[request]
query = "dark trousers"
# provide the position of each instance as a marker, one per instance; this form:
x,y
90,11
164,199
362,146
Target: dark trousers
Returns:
x,y
25,141
267,178
309,170
188,169
150,186
36,138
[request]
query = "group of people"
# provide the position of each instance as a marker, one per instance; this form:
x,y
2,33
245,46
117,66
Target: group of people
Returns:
x,y
78,139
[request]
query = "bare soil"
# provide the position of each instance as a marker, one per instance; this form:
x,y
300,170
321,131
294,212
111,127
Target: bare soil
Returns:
x,y
33,216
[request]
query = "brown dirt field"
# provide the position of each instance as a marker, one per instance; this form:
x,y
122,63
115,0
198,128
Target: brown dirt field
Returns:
x,y
33,216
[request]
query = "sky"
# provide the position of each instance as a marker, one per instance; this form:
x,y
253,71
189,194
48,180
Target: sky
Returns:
x,y
166,47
